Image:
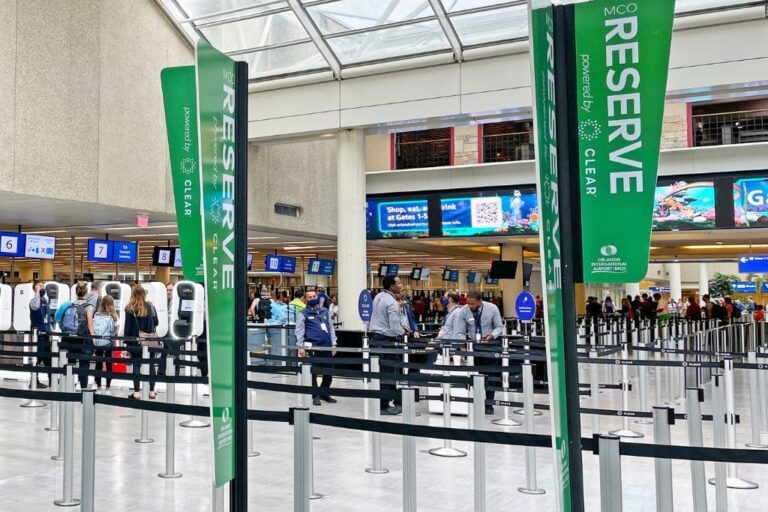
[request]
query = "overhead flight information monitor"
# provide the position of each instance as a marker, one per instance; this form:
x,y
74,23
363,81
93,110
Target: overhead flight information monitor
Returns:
x,y
43,247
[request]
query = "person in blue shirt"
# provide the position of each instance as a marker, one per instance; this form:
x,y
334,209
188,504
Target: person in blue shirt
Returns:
x,y
314,328
281,315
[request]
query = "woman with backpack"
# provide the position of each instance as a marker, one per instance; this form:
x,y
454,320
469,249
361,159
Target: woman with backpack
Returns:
x,y
76,322
140,329
104,328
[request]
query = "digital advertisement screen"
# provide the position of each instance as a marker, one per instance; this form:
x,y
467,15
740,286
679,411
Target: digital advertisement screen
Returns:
x,y
321,267
162,256
100,251
43,247
750,202
513,213
684,205
12,245
124,252
392,218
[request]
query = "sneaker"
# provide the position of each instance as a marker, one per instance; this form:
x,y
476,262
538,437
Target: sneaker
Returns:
x,y
40,385
108,391
316,400
489,409
328,399
392,411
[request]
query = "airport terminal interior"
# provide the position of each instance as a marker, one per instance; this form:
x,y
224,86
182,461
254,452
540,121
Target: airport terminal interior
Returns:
x,y
392,156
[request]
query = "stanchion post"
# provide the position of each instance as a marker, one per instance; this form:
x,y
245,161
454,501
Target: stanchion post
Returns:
x,y
625,431
306,380
376,466
170,425
694,397
505,420
730,426
67,385
447,450
642,384
249,401
302,469
721,468
478,411
662,418
594,391
54,380
144,415
410,500
754,402
68,441
33,403
610,473
193,422
88,453
531,484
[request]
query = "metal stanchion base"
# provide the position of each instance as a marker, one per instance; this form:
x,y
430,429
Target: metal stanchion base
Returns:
x,y
254,454
49,429
172,475
506,422
62,503
736,483
376,471
33,403
525,490
316,496
143,441
626,433
193,423
444,451
521,412
760,445
644,421
56,457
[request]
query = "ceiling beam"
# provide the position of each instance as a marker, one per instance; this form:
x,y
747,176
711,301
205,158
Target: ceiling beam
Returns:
x,y
447,26
314,33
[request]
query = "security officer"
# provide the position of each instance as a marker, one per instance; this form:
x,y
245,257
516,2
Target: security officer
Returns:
x,y
314,328
454,328
39,319
484,325
387,331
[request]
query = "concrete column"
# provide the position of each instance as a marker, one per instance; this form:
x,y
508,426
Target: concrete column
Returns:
x,y
675,281
632,289
163,274
703,279
25,274
510,288
350,192
46,270
581,298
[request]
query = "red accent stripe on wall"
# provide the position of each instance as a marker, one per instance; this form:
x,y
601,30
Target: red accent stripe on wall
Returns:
x,y
689,122
391,151
479,143
453,147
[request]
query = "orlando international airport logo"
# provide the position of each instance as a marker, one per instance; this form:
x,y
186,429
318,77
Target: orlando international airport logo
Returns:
x,y
589,130
188,165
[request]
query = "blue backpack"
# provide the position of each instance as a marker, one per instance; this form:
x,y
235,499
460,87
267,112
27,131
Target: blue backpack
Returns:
x,y
73,318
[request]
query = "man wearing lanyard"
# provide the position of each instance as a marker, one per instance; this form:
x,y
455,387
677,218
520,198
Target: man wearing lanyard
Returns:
x,y
315,329
387,331
484,325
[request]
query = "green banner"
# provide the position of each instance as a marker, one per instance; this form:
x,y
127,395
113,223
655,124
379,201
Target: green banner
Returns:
x,y
216,111
180,100
622,56
543,65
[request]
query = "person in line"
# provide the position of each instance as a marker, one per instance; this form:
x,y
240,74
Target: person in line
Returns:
x,y
333,308
324,300
751,305
39,318
263,310
483,324
419,308
298,302
594,308
608,306
759,313
169,294
387,331
539,314
662,309
94,296
729,309
314,328
454,328
140,323
693,310
77,324
406,316
105,325
709,307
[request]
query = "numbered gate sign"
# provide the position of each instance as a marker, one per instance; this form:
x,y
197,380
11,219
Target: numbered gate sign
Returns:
x,y
525,307
365,306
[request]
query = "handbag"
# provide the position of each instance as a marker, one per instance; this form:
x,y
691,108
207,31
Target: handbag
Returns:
x,y
148,339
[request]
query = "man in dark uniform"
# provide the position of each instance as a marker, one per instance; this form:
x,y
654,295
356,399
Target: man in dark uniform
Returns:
x,y
315,329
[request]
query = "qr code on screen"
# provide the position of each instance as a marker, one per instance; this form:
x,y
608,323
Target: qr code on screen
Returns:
x,y
486,212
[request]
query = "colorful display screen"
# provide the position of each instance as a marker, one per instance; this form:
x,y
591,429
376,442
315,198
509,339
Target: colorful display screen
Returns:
x,y
684,205
397,218
513,213
38,246
750,202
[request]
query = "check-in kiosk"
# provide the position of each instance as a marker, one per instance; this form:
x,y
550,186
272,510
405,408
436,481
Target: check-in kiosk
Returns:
x,y
58,294
157,295
6,307
187,310
121,294
22,294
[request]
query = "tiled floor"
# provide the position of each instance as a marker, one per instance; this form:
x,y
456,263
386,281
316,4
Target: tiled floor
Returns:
x,y
126,472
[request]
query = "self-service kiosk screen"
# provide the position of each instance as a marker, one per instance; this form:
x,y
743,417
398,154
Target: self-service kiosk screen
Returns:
x,y
43,247
187,305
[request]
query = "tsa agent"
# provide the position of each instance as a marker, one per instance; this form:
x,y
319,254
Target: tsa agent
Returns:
x,y
314,328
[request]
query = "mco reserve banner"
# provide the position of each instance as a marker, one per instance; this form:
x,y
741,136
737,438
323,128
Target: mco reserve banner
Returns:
x,y
180,101
622,57
216,114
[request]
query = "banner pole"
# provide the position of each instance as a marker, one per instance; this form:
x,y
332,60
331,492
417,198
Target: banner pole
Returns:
x,y
239,488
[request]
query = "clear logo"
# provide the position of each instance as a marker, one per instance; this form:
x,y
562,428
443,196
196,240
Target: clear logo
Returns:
x,y
609,250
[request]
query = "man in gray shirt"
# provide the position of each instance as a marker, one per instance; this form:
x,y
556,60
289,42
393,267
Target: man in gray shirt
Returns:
x,y
387,331
484,325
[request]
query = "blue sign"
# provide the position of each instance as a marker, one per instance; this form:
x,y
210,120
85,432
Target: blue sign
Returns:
x,y
451,275
764,287
284,264
525,306
659,289
12,245
744,286
272,263
124,252
491,280
753,264
100,251
365,306
389,269
321,267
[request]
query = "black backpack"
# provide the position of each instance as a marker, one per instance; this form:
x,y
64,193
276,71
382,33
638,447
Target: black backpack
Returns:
x,y
736,311
719,311
264,309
